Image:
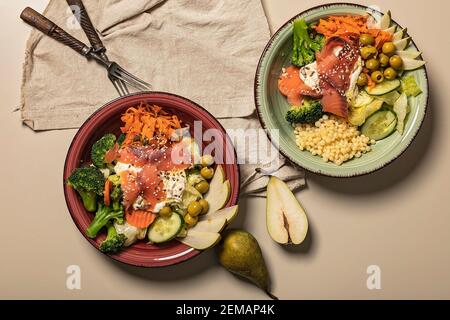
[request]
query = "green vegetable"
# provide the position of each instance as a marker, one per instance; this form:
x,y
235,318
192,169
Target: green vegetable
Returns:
x,y
190,194
114,241
121,139
409,86
100,148
357,116
380,125
115,179
89,183
389,98
116,197
103,215
165,229
309,112
401,110
305,47
383,88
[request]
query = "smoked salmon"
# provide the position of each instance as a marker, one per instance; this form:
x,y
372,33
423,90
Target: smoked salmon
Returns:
x,y
332,101
336,62
292,86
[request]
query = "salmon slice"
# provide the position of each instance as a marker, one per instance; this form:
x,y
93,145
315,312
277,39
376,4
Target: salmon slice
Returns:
x,y
292,86
332,101
151,185
177,157
112,154
336,69
128,155
130,188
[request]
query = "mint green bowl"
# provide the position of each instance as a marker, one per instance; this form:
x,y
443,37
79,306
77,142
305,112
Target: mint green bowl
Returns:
x,y
272,105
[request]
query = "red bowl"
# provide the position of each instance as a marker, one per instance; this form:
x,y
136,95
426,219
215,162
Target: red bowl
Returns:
x,y
107,119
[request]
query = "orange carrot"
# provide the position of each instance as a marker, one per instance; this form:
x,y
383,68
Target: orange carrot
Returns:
x,y
343,25
140,218
106,192
147,121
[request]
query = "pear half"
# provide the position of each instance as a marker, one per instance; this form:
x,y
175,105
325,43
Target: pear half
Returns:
x,y
200,240
286,219
219,190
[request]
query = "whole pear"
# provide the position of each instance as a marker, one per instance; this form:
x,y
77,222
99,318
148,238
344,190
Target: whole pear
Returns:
x,y
239,253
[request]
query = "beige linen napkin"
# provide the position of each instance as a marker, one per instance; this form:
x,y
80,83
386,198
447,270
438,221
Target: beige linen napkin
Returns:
x,y
204,50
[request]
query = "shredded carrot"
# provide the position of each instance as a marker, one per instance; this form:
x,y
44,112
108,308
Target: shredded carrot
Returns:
x,y
145,122
341,26
140,218
106,192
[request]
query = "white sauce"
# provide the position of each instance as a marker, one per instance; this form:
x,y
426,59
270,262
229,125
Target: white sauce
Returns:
x,y
120,167
310,76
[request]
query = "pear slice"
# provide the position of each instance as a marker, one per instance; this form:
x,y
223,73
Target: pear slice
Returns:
x,y
229,213
385,21
402,44
412,64
399,34
219,190
391,30
409,54
210,225
286,219
200,240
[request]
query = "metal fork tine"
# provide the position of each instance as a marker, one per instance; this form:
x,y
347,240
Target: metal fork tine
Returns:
x,y
120,87
123,86
142,82
130,81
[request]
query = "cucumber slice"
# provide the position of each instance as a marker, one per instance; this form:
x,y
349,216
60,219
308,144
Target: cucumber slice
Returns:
x,y
380,125
165,229
383,88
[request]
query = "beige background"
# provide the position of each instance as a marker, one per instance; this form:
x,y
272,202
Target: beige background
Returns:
x,y
397,218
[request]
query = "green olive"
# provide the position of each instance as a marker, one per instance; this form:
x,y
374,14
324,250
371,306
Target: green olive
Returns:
x,y
377,76
190,220
388,48
384,60
207,172
165,211
396,62
368,52
390,73
202,187
207,160
194,208
366,39
362,80
205,206
372,64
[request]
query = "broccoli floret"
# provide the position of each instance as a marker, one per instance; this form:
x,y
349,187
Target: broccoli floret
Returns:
x,y
309,112
304,47
114,241
116,198
100,148
103,215
89,182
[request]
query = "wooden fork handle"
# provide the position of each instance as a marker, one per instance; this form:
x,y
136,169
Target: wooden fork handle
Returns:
x,y
87,25
38,21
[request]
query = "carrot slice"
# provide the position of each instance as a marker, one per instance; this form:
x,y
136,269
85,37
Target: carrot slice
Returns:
x,y
106,192
140,218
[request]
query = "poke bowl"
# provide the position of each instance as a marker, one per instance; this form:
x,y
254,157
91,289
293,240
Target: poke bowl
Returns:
x,y
330,104
129,196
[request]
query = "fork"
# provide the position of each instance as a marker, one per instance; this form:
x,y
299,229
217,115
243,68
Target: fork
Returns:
x,y
118,76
